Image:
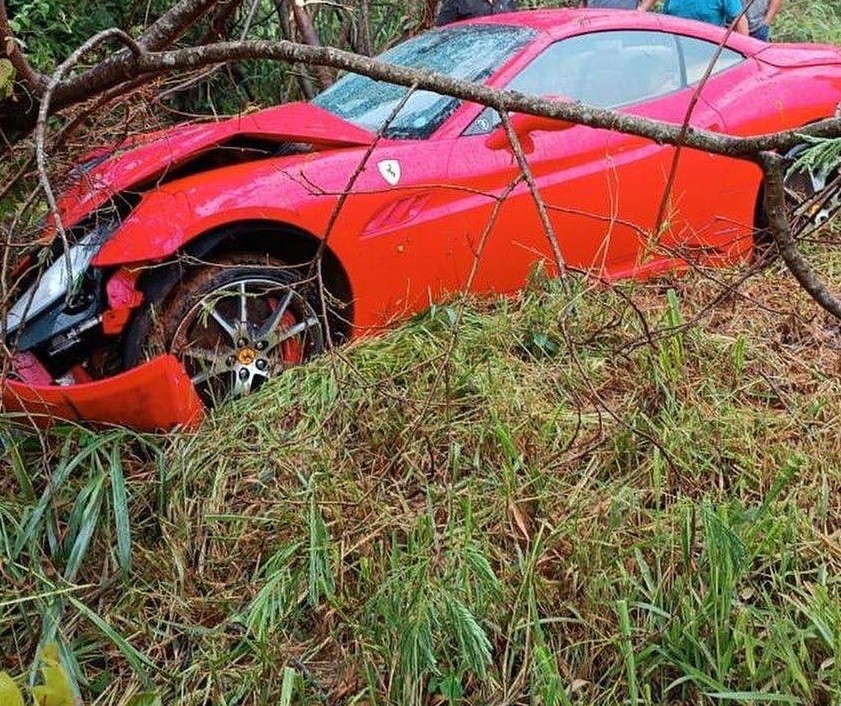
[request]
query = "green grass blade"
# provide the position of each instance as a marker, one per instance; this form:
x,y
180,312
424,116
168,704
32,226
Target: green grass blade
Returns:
x,y
138,661
756,697
119,500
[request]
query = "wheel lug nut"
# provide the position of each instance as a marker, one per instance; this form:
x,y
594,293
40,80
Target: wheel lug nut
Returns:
x,y
261,364
261,345
232,359
242,343
243,374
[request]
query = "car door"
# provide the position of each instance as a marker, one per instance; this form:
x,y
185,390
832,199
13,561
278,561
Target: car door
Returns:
x,y
707,207
602,189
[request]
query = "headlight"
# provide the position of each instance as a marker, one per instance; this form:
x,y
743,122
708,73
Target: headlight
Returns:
x,y
55,282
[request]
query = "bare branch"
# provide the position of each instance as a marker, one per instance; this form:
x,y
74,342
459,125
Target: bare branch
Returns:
x,y
118,68
41,125
10,48
310,37
775,206
174,22
154,63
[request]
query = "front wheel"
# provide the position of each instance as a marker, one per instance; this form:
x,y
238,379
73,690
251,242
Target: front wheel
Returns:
x,y
234,325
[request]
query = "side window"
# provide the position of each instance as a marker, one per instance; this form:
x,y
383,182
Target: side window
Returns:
x,y
604,69
697,55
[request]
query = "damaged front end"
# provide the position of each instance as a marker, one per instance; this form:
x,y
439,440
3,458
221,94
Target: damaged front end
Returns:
x,y
61,332
73,303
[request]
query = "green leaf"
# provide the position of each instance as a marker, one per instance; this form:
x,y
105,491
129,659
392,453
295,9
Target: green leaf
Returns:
x,y
9,693
450,687
287,687
86,518
136,659
56,690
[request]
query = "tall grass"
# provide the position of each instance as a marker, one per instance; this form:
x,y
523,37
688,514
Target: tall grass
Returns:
x,y
602,520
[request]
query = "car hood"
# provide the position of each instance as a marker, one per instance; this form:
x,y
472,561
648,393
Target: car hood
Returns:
x,y
153,158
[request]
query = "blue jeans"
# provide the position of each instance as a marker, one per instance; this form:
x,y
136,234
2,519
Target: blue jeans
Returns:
x,y
763,33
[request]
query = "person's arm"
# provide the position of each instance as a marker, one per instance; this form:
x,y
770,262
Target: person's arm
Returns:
x,y
646,5
734,12
773,8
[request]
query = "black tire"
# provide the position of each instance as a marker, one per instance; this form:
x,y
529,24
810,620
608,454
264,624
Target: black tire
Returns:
x,y
233,324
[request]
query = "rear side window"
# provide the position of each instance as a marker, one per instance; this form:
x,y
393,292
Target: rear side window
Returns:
x,y
604,69
614,69
698,54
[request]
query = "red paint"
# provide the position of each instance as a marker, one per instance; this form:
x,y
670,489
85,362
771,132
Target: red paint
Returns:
x,y
405,245
156,395
122,289
149,157
28,368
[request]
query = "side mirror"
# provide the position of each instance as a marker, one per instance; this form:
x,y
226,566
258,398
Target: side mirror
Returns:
x,y
523,125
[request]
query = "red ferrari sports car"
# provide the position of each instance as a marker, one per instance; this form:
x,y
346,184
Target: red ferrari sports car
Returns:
x,y
205,259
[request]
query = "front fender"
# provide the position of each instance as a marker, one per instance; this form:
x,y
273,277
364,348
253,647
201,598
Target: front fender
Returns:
x,y
168,219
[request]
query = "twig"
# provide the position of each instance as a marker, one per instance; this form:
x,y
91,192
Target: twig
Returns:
x,y
41,127
684,129
337,208
525,170
775,206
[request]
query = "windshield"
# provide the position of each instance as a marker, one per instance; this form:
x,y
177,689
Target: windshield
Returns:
x,y
471,53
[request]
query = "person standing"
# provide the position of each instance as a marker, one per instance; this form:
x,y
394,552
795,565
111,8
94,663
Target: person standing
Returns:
x,y
761,14
716,12
455,10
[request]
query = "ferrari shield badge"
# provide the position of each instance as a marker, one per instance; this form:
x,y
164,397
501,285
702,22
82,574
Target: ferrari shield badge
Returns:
x,y
390,170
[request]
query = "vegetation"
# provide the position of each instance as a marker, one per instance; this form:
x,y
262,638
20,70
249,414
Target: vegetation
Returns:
x,y
55,691
524,499
809,22
626,497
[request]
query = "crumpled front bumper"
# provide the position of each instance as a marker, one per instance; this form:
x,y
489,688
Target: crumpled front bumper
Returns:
x,y
155,396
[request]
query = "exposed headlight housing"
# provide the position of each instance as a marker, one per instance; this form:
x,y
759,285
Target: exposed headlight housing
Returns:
x,y
53,284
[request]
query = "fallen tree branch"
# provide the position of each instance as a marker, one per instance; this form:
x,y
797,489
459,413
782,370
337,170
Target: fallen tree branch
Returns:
x,y
774,167
41,127
154,63
9,47
117,68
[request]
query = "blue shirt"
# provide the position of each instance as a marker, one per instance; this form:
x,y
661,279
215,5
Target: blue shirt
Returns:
x,y
716,12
